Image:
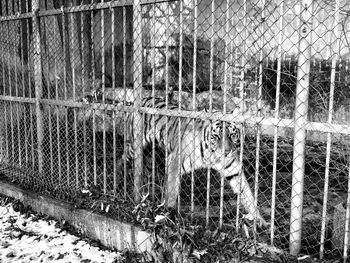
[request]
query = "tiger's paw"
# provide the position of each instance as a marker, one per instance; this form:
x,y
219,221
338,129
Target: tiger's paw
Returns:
x,y
260,221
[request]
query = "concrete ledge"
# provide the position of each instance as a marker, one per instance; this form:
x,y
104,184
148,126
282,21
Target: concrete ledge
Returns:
x,y
111,233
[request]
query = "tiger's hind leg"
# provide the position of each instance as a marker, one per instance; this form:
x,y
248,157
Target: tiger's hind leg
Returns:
x,y
122,177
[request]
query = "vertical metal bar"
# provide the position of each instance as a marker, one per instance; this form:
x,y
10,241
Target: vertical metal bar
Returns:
x,y
50,140
19,137
335,57
32,136
241,95
65,95
180,98
49,97
93,84
137,77
112,11
114,150
301,108
124,88
277,110
4,143
3,68
49,111
11,112
17,83
67,146
31,95
38,84
195,33
11,104
65,41
211,80
153,44
46,54
31,128
15,70
103,99
84,62
94,142
6,133
58,148
167,25
74,62
58,129
226,70
5,106
25,143
16,105
259,106
18,120
85,153
8,59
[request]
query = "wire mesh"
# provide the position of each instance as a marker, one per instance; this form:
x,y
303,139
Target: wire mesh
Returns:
x,y
76,77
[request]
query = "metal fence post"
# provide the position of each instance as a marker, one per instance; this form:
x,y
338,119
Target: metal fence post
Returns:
x,y
38,83
300,118
137,77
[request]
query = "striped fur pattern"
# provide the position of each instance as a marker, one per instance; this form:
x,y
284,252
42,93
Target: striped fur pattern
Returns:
x,y
194,144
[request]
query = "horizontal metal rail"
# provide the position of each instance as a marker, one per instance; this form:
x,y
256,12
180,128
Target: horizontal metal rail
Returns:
x,y
17,99
229,117
17,16
80,8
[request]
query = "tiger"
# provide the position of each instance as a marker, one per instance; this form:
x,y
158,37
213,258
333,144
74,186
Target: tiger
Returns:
x,y
195,144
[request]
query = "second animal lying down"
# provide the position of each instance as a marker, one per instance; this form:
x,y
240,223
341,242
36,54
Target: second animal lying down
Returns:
x,y
194,144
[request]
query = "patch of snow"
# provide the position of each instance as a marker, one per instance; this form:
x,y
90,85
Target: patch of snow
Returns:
x,y
29,239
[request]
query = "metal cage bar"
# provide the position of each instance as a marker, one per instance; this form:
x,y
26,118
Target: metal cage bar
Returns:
x,y
194,86
180,89
124,101
115,179
137,77
83,72
167,24
103,62
300,119
259,104
38,86
241,96
277,112
329,135
153,66
211,72
92,47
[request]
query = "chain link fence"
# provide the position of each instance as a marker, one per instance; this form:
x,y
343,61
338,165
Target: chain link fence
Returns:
x,y
104,103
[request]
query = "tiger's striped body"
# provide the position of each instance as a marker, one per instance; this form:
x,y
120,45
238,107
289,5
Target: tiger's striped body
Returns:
x,y
194,144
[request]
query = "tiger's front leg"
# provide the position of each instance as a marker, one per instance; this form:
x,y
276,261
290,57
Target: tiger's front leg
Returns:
x,y
240,185
172,189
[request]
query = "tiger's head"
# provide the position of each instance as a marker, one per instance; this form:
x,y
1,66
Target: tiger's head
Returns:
x,y
223,147
225,135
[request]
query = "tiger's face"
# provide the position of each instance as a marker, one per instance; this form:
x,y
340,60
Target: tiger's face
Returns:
x,y
223,147
224,136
